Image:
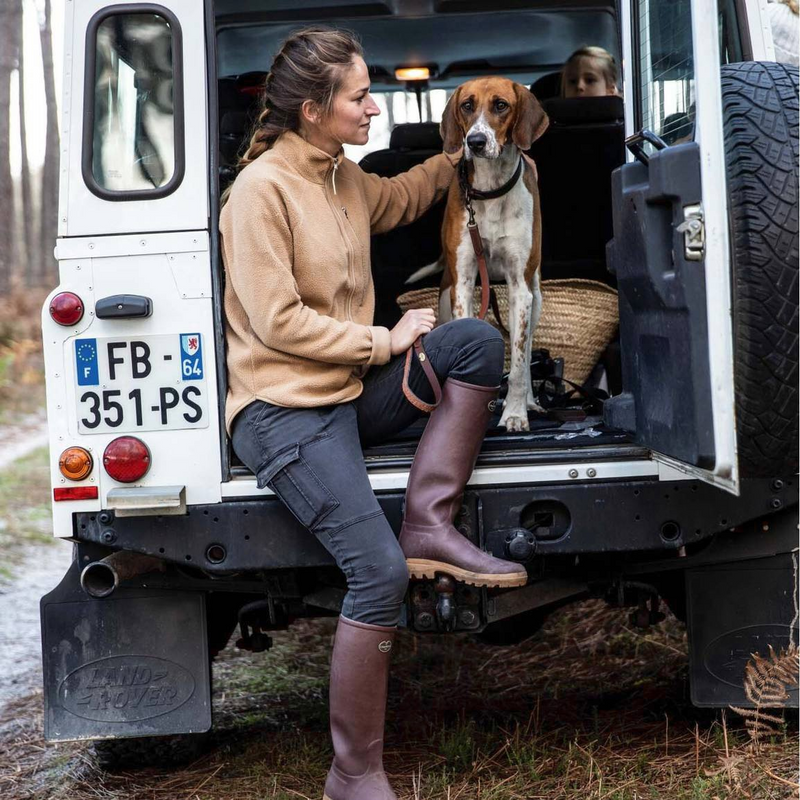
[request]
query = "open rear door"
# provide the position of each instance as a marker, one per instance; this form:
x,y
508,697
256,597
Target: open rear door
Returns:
x,y
670,248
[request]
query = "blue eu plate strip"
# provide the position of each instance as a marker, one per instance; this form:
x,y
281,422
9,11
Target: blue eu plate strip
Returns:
x,y
86,362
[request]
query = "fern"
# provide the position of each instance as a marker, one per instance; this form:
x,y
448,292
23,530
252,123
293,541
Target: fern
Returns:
x,y
766,684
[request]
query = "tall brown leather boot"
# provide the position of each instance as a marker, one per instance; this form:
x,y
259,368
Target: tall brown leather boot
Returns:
x,y
359,680
444,461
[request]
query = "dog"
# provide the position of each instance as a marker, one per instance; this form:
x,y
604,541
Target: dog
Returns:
x,y
495,120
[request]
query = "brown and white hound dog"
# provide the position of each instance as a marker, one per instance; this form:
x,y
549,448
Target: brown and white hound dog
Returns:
x,y
495,120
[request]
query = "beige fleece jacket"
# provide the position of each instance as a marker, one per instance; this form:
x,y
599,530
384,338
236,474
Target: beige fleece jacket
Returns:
x,y
299,299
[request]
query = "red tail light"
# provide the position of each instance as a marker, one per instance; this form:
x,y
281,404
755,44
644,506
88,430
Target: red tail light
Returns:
x,y
126,459
66,308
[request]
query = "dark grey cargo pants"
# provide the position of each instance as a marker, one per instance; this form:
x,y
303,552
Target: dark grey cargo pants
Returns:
x,y
312,460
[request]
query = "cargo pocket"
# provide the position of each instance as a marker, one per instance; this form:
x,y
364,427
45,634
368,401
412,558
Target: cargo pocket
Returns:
x,y
291,477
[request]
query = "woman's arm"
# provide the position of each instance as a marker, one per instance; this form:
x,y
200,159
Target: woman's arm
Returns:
x,y
406,197
257,242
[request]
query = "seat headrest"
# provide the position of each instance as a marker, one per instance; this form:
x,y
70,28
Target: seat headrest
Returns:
x,y
416,136
547,86
235,123
584,110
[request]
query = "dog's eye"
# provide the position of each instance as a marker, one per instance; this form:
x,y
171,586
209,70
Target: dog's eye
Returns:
x,y
501,105
467,106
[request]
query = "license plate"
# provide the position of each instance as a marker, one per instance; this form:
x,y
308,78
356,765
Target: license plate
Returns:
x,y
150,383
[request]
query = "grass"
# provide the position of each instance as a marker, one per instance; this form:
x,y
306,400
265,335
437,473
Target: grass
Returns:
x,y
25,484
588,709
21,360
24,508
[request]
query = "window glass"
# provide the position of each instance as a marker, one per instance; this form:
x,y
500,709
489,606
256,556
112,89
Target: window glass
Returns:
x,y
666,63
666,68
397,108
133,139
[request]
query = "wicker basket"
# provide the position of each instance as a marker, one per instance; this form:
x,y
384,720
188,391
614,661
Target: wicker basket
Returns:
x,y
579,319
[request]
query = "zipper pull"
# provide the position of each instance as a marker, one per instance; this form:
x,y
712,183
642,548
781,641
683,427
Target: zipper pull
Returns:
x,y
344,211
333,175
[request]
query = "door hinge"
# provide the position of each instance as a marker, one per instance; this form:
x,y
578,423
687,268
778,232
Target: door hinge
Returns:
x,y
694,233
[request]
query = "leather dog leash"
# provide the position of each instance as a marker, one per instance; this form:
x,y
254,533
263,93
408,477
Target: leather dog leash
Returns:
x,y
470,194
429,374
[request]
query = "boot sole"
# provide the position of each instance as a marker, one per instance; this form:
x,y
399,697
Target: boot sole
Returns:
x,y
423,568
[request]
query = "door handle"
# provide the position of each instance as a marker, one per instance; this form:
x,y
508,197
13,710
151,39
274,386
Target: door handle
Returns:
x,y
636,142
123,306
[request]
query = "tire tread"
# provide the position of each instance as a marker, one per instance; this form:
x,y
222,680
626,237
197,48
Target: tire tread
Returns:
x,y
760,112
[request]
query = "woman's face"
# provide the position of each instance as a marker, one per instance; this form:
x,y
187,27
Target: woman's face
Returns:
x,y
353,107
584,77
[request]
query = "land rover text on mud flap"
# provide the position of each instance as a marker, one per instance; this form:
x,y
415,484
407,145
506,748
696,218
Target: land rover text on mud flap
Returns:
x,y
683,489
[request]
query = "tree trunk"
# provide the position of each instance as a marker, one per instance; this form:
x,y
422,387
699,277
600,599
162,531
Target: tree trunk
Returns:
x,y
49,195
30,261
8,62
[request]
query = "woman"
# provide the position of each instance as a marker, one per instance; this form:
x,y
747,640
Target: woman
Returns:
x,y
311,379
589,72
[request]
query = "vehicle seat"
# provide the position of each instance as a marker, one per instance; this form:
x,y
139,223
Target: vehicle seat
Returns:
x,y
398,253
547,86
575,158
239,103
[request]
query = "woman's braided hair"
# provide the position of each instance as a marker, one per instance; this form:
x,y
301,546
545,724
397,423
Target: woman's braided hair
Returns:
x,y
310,65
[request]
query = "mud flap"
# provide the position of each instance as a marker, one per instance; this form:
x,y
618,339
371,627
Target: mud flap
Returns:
x,y
736,610
133,664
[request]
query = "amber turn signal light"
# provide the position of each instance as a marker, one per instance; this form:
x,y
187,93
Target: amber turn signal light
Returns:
x,y
75,463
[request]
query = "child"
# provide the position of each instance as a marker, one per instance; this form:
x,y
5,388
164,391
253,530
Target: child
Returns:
x,y
589,72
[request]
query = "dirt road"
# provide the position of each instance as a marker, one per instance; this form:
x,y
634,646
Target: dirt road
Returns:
x,y
38,573
37,569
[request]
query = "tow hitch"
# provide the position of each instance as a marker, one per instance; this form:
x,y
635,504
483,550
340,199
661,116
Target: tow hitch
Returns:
x,y
443,605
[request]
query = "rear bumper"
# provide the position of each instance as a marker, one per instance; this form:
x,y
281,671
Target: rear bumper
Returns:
x,y
574,518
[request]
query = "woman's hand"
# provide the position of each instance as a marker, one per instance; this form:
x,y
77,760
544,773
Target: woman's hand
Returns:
x,y
414,323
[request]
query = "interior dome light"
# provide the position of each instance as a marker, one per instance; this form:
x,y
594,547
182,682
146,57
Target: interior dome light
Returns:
x,y
412,73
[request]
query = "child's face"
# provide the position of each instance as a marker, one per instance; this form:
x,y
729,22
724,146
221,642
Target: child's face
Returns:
x,y
583,77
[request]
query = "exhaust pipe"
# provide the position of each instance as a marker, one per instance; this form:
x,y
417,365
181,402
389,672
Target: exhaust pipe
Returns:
x,y
101,578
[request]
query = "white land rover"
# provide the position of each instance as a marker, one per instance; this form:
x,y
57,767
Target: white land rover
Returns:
x,y
681,487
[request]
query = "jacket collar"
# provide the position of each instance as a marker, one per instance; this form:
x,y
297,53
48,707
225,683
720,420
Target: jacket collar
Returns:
x,y
312,163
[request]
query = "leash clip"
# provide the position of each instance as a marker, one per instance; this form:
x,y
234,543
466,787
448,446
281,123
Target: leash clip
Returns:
x,y
471,211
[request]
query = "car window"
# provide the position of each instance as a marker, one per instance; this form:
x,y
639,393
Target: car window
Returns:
x,y
665,66
131,142
396,109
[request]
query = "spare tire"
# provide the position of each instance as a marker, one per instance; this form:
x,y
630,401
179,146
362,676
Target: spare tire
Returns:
x,y
760,109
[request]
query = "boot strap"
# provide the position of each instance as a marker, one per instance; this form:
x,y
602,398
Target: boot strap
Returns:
x,y
429,374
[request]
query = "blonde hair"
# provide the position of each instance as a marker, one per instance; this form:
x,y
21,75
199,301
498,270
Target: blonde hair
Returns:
x,y
608,64
310,65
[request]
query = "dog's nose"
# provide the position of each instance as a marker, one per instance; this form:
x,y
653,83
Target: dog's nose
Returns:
x,y
476,142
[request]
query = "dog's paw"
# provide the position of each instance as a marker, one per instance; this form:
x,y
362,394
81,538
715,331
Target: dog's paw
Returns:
x,y
515,420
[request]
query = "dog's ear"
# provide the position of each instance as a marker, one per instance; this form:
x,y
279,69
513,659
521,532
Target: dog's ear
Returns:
x,y
531,121
449,127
